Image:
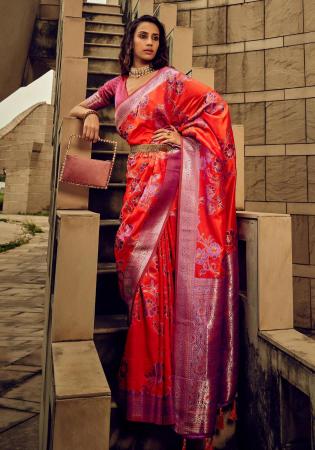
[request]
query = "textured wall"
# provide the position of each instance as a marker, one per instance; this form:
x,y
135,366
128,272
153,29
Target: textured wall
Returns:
x,y
263,52
16,25
26,155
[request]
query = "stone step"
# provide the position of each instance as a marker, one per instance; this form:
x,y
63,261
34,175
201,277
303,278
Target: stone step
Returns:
x,y
109,222
108,300
105,50
97,78
110,133
105,324
109,27
107,236
110,345
103,268
103,64
107,115
101,9
103,38
103,18
107,202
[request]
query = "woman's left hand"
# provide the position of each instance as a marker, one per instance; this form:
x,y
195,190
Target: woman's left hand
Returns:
x,y
165,136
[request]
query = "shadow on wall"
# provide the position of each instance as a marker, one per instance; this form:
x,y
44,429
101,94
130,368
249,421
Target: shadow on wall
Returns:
x,y
16,24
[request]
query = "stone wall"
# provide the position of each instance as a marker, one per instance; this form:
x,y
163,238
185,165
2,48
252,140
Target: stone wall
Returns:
x,y
263,52
26,155
16,24
42,54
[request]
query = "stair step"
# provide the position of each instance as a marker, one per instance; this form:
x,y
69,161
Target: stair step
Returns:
x,y
106,268
109,132
103,18
103,64
110,324
110,152
98,78
107,288
117,185
107,202
103,38
101,9
100,49
104,27
107,114
109,222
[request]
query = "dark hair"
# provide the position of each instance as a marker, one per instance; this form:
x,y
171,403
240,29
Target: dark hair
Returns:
x,y
126,52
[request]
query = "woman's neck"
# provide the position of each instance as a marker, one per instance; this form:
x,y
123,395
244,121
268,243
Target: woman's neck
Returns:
x,y
138,63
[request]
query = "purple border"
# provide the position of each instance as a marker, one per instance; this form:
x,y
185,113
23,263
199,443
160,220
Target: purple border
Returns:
x,y
153,226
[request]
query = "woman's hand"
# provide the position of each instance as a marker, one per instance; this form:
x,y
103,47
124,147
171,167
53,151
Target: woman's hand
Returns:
x,y
91,128
165,136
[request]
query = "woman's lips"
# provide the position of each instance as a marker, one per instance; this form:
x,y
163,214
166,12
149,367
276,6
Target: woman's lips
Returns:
x,y
148,51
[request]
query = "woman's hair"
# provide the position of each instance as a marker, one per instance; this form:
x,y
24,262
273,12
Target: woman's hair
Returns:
x,y
126,52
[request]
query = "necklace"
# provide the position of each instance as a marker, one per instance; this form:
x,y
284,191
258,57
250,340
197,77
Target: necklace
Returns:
x,y
137,72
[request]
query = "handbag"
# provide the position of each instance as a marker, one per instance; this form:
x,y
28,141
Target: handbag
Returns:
x,y
87,172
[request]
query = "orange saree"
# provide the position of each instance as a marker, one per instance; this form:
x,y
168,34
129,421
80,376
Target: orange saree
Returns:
x,y
176,255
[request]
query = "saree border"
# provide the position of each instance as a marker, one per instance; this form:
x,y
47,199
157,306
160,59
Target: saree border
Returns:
x,y
124,108
152,227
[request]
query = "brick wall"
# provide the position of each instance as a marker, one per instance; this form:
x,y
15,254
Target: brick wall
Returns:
x,y
26,154
263,52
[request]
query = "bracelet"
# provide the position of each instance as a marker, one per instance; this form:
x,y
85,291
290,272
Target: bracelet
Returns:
x,y
90,111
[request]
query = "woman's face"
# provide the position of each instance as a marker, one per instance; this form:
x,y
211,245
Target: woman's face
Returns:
x,y
145,42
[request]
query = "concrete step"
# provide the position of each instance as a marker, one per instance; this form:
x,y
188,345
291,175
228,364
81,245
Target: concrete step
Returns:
x,y
109,222
110,345
105,18
107,236
103,50
108,300
107,202
103,268
105,324
108,131
101,9
103,65
107,117
97,78
100,37
103,27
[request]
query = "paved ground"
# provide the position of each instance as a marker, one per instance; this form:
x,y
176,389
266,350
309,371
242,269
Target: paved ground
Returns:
x,y
22,283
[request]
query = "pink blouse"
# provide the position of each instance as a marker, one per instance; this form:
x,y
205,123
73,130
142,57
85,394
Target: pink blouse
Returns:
x,y
113,92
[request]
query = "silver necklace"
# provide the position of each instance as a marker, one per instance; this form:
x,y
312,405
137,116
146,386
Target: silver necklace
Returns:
x,y
137,72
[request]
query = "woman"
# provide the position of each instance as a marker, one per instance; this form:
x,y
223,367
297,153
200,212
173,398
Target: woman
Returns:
x,y
176,247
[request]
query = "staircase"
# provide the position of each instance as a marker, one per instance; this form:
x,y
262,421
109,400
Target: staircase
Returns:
x,y
83,228
103,34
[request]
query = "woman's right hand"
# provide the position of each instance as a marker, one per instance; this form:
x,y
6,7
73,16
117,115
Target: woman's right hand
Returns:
x,y
91,127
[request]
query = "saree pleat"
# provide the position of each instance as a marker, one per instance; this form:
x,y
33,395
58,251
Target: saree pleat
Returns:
x,y
145,376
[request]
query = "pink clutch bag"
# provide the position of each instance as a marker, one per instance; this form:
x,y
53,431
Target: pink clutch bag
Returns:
x,y
87,172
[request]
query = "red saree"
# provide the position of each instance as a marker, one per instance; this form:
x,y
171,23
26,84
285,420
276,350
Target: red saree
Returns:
x,y
176,255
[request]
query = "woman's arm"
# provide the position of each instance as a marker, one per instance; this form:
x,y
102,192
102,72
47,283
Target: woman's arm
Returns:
x,y
91,123
104,96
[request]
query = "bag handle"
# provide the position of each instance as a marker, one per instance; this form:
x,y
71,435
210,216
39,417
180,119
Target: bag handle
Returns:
x,y
99,140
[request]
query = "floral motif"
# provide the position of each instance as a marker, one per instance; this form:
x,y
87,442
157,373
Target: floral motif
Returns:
x,y
215,104
228,145
150,190
207,251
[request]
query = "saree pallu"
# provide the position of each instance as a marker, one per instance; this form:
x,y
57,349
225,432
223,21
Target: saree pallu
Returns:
x,y
176,257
